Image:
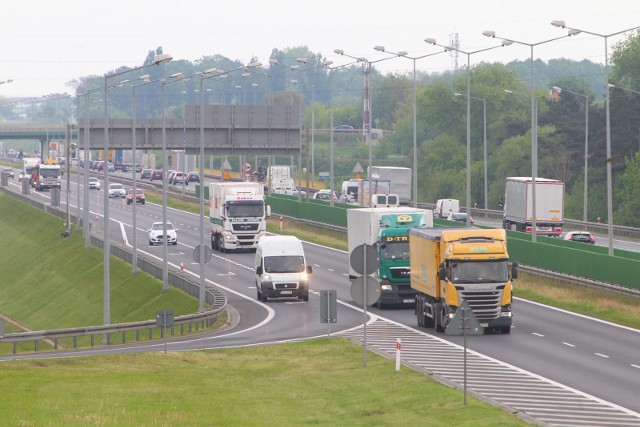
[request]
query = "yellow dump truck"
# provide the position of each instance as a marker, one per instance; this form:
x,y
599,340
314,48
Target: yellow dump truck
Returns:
x,y
449,265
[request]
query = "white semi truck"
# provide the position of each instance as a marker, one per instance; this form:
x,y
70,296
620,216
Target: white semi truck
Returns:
x,y
238,215
518,205
388,230
399,180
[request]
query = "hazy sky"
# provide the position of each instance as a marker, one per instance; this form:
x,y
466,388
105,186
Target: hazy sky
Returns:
x,y
44,44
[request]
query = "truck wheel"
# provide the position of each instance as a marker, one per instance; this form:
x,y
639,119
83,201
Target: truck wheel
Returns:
x,y
221,247
418,311
263,296
305,297
258,293
214,243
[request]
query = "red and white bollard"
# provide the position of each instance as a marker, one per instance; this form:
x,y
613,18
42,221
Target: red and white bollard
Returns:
x,y
398,351
182,266
280,222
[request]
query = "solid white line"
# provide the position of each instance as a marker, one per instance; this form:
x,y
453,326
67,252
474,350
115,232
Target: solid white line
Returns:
x,y
635,366
537,334
567,344
601,355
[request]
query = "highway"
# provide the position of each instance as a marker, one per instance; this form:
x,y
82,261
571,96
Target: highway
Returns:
x,y
594,361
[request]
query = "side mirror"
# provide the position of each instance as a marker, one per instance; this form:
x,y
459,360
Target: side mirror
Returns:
x,y
259,270
514,270
442,274
309,269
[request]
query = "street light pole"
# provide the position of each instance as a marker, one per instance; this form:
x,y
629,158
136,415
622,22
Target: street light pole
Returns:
x,y
484,139
561,24
586,146
534,127
366,69
451,48
403,54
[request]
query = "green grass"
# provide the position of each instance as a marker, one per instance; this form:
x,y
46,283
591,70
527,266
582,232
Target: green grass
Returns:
x,y
57,283
320,382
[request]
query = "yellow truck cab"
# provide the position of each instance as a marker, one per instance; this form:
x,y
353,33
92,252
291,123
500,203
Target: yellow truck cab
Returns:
x,y
449,265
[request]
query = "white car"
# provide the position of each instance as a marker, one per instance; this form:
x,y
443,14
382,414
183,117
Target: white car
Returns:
x,y
156,233
94,183
324,195
117,190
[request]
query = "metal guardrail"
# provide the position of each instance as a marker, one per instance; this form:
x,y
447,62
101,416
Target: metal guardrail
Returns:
x,y
216,299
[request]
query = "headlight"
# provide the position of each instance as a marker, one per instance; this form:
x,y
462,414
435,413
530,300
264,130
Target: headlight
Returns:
x,y
266,277
386,287
303,277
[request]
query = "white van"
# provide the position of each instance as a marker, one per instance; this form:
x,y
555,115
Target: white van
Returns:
x,y
444,207
281,268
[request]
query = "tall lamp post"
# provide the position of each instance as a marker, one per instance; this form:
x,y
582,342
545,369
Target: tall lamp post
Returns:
x,y
586,146
451,48
366,69
562,24
484,140
203,76
534,129
403,54
145,81
159,59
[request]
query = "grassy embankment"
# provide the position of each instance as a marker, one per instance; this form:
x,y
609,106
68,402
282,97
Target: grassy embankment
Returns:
x,y
52,282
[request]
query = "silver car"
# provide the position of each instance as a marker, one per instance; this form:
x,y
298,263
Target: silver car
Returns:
x,y
117,190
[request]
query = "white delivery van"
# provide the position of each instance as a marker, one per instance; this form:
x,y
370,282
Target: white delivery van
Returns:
x,y
446,206
281,268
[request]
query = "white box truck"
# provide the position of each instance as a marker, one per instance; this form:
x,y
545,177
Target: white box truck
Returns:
x,y
518,206
388,230
399,180
238,215
280,180
281,268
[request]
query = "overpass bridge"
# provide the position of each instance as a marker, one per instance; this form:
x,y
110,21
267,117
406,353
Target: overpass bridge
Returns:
x,y
228,130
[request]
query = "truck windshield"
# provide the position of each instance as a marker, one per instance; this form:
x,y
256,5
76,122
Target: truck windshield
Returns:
x,y
479,272
50,173
245,210
284,264
396,250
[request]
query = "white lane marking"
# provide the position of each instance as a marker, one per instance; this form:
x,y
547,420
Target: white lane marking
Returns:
x,y
537,334
601,355
635,366
568,344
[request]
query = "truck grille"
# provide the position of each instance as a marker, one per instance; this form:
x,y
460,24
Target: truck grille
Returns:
x,y
245,226
484,303
285,285
400,272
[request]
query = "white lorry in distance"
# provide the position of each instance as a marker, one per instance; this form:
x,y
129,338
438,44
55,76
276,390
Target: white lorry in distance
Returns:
x,y
444,207
398,178
281,268
518,205
280,180
238,215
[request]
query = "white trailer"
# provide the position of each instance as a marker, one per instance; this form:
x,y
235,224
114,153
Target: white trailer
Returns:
x,y
518,206
238,215
399,180
280,180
